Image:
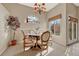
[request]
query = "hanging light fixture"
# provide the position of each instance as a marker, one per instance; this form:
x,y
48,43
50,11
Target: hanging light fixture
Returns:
x,y
39,8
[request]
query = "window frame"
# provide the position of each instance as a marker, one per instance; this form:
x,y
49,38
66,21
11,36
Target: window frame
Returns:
x,y
54,18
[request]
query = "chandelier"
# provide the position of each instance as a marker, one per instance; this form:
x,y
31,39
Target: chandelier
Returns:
x,y
39,8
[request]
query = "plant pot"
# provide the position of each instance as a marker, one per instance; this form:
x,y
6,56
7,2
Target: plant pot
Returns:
x,y
12,43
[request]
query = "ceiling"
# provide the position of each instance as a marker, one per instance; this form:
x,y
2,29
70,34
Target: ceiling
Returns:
x,y
49,6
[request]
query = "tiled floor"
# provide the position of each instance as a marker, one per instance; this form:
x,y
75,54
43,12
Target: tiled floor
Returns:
x,y
58,50
13,50
73,50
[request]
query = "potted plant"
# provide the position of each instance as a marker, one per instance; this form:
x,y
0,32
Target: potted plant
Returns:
x,y
13,23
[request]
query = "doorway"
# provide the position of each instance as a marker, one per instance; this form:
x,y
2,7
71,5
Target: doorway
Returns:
x,y
72,30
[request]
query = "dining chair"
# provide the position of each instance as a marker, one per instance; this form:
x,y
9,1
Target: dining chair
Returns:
x,y
27,41
44,41
51,40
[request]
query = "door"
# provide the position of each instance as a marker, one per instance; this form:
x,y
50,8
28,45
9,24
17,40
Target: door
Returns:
x,y
72,32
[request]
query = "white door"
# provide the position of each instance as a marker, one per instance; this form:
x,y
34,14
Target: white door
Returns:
x,y
72,32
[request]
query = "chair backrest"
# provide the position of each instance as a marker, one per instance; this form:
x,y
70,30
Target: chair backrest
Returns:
x,y
45,36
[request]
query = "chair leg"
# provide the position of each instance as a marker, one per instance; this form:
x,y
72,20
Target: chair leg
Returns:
x,y
44,53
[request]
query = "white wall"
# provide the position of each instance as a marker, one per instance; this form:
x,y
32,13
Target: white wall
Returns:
x,y
59,9
4,35
78,21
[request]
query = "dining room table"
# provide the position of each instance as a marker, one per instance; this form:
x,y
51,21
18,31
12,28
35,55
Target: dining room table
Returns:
x,y
36,37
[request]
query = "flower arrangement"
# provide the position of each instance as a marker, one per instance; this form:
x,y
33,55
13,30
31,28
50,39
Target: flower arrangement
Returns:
x,y
13,22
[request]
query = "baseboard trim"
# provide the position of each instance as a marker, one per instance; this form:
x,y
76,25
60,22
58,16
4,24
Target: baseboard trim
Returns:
x,y
72,43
